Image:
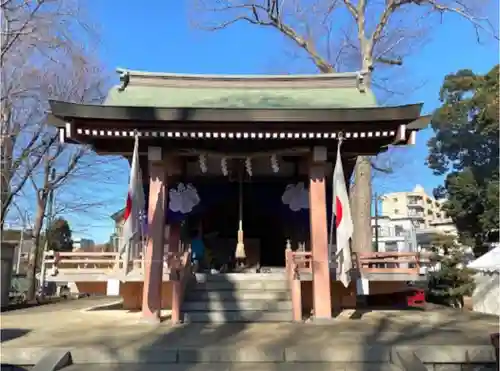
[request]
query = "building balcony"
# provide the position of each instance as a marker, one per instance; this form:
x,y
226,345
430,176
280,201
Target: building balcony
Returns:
x,y
390,233
415,204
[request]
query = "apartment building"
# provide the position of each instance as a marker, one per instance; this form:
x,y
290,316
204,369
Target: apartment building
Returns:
x,y
424,211
115,238
393,235
83,244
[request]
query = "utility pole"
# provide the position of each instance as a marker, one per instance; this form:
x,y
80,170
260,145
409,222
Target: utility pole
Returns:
x,y
48,225
21,243
19,251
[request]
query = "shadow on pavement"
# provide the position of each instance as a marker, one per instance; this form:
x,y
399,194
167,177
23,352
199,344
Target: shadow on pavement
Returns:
x,y
8,367
361,341
7,334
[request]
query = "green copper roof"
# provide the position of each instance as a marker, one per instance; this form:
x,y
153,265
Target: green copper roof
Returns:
x,y
145,89
239,98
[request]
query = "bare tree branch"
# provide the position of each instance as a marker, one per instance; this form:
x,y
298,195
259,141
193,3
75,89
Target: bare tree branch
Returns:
x,y
37,37
269,15
384,34
44,55
352,9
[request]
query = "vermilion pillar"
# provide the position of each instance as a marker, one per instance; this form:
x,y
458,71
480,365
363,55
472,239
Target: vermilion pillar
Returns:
x,y
322,301
153,260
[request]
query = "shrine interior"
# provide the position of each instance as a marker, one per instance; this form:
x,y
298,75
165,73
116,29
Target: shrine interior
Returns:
x,y
268,223
264,231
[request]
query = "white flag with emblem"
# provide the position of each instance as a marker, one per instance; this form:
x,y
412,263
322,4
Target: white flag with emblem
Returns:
x,y
343,222
134,209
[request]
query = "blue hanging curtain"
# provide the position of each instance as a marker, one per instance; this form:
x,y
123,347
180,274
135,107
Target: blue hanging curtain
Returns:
x,y
210,195
268,195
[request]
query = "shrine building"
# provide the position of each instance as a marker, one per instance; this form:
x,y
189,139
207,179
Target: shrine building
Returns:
x,y
218,153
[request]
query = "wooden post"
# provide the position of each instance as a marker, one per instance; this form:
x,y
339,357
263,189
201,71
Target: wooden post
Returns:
x,y
296,288
153,256
175,277
288,258
294,282
322,300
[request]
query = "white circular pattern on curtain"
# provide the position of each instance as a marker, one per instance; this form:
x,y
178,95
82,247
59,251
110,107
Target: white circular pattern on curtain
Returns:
x,y
183,198
296,196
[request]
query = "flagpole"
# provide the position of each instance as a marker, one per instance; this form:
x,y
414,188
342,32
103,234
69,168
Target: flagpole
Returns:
x,y
332,220
135,204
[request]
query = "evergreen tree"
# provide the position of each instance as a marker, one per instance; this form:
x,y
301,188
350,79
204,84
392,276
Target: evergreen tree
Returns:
x,y
59,236
465,149
453,280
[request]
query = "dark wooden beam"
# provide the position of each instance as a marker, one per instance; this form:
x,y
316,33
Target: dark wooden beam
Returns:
x,y
367,146
137,115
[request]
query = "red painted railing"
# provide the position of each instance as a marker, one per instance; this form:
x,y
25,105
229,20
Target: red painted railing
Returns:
x,y
297,262
55,263
180,274
388,262
78,262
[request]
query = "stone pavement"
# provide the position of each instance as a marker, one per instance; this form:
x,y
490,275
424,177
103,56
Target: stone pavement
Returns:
x,y
113,336
313,366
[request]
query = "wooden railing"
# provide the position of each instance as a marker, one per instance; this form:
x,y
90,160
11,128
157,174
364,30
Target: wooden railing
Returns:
x,y
388,262
180,274
55,263
76,262
297,263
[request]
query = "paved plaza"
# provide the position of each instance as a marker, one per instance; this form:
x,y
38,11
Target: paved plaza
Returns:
x,y
115,336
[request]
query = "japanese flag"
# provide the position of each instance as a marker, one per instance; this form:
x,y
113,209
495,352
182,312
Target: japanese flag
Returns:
x,y
135,206
343,222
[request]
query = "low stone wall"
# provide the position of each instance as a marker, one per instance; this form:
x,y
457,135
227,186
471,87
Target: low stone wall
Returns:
x,y
435,358
460,367
131,293
345,298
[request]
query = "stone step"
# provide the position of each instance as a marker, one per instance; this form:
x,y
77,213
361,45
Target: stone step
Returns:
x,y
237,277
224,305
250,366
236,295
237,316
356,353
239,285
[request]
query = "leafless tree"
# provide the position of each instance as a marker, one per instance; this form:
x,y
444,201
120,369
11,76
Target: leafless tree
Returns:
x,y
64,166
37,36
44,55
339,35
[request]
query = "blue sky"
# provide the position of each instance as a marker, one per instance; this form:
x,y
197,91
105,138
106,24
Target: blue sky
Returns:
x,y
160,37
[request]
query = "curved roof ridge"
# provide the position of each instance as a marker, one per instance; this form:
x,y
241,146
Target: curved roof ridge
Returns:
x,y
357,80
146,74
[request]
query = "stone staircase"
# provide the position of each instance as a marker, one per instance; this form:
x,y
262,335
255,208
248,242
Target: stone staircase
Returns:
x,y
238,297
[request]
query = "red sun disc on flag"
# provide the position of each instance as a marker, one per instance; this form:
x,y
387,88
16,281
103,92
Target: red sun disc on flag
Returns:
x,y
128,207
338,212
